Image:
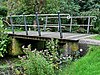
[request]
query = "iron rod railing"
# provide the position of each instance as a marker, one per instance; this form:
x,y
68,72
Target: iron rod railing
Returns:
x,y
56,16
25,25
37,21
11,21
45,23
42,15
71,24
59,23
88,25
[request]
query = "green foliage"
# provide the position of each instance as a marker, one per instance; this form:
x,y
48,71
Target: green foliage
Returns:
x,y
3,40
55,55
3,11
81,30
73,7
75,28
96,37
27,4
87,65
36,64
92,8
69,7
86,5
51,6
51,54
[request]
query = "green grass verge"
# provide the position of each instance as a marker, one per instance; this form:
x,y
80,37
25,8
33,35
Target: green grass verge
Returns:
x,y
96,37
87,65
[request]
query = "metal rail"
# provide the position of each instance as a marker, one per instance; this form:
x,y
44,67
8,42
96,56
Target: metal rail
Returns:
x,y
59,23
41,15
25,25
37,21
11,21
50,16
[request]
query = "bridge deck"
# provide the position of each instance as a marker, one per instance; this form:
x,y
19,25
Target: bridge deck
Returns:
x,y
66,36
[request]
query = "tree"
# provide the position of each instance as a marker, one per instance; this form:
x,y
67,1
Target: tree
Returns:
x,y
51,6
3,11
69,6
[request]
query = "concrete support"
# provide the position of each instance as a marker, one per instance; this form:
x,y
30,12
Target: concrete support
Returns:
x,y
15,48
70,47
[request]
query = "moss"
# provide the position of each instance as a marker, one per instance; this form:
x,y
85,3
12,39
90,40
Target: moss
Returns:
x,y
74,46
15,48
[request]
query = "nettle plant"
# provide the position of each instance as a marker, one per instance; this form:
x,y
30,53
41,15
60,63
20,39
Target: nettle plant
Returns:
x,y
34,63
54,54
42,61
51,52
4,40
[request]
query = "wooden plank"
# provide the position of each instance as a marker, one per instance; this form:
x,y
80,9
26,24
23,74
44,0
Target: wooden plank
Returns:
x,y
90,42
66,36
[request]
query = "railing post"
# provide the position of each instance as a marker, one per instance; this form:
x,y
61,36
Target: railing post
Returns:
x,y
71,25
59,23
88,25
12,24
45,23
25,24
37,21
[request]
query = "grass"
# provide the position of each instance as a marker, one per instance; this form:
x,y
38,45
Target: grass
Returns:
x,y
87,65
96,37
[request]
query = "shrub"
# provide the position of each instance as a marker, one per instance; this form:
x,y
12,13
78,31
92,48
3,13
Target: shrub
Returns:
x,y
95,21
3,11
4,40
36,64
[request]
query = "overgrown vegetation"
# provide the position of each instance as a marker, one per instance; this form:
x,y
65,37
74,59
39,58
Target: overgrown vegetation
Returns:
x,y
51,60
45,62
87,65
96,37
3,11
34,63
73,7
4,40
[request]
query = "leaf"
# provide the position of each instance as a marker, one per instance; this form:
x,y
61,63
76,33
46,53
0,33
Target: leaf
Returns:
x,y
1,54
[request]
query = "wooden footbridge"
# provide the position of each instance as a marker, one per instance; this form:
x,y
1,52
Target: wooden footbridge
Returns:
x,y
33,35
44,34
63,37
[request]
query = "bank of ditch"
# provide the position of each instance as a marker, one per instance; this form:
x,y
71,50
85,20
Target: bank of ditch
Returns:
x,y
87,65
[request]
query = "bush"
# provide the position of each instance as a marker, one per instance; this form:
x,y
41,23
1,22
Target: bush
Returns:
x,y
36,64
4,40
3,11
95,21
